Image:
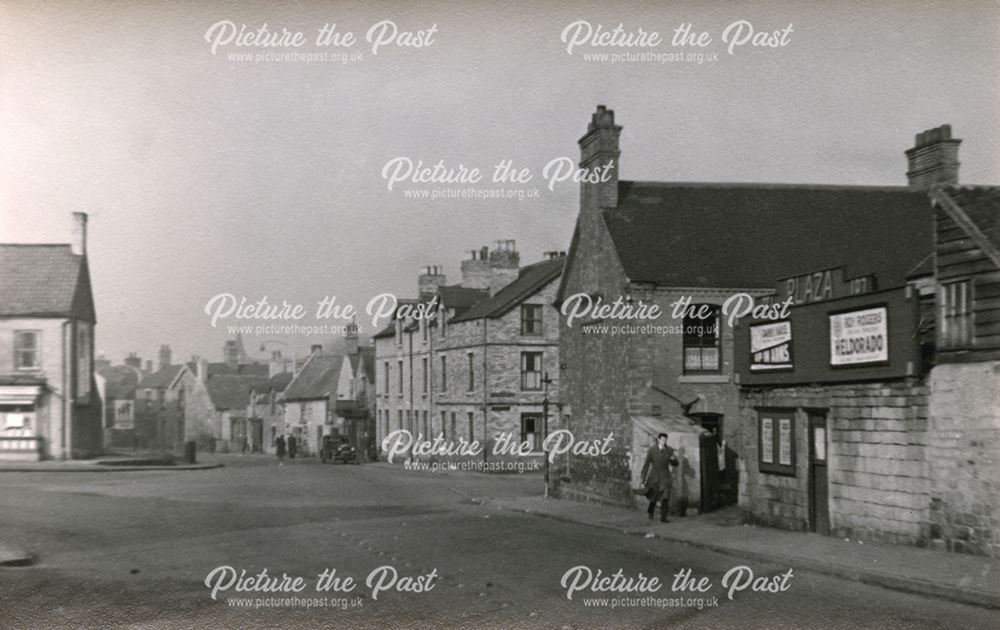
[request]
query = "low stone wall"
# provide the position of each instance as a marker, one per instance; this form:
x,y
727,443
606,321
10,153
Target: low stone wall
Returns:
x,y
963,453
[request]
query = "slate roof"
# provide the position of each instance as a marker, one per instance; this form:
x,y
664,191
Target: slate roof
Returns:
x,y
44,281
317,378
459,298
161,379
120,381
213,368
253,369
280,381
751,235
232,391
529,281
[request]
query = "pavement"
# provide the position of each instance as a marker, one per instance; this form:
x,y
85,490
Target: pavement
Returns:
x,y
957,577
105,465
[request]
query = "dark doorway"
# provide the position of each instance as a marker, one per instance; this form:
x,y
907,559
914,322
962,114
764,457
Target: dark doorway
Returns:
x,y
719,477
819,505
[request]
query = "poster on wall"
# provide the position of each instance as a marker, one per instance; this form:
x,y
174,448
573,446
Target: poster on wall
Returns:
x,y
767,439
771,346
859,337
785,441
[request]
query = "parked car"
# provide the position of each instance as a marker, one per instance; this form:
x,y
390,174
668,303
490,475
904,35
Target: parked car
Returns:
x,y
338,449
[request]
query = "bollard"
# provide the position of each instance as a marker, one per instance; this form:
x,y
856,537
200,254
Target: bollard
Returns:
x,y
189,452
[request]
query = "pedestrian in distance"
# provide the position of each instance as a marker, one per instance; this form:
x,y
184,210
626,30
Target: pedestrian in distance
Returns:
x,y
279,447
657,477
292,446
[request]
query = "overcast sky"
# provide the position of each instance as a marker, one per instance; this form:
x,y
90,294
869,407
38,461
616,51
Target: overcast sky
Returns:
x,y
203,174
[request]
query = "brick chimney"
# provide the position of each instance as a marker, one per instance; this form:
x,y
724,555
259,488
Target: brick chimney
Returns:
x,y
933,159
351,338
429,281
79,243
133,360
202,372
504,265
476,269
597,147
165,356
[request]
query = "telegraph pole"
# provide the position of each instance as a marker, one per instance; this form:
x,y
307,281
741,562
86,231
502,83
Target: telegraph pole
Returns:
x,y
546,381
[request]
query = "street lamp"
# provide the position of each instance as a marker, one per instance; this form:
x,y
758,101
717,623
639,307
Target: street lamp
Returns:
x,y
546,381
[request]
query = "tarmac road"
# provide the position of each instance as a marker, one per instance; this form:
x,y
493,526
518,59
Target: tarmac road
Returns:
x,y
134,549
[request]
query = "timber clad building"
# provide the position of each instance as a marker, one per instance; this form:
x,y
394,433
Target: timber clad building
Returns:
x,y
871,410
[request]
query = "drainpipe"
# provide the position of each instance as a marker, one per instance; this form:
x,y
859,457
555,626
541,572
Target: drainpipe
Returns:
x,y
66,438
413,412
486,323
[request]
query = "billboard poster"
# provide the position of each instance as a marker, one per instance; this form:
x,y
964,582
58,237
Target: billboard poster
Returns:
x,y
859,337
771,346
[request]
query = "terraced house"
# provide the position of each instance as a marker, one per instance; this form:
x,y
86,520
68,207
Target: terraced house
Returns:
x,y
485,364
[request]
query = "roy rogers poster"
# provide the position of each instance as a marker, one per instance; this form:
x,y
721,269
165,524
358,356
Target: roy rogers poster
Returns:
x,y
859,337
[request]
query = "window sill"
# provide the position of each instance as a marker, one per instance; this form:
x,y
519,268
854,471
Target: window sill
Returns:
x,y
704,378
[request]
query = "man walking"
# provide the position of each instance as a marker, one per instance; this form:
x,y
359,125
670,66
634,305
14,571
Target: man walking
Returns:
x,y
657,477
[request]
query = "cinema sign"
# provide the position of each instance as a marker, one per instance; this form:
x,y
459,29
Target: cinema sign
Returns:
x,y
824,285
866,337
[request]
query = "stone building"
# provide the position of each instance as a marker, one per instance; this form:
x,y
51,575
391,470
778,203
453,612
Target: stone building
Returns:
x,y
160,400
49,406
309,400
476,366
117,385
816,250
881,420
266,411
684,249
